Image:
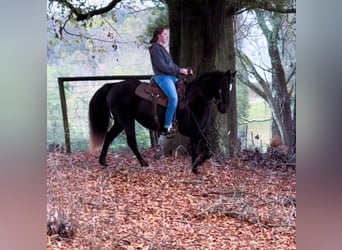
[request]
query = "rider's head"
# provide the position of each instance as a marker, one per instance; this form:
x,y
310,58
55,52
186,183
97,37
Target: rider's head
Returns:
x,y
159,34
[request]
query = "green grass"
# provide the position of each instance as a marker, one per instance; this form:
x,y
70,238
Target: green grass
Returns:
x,y
259,111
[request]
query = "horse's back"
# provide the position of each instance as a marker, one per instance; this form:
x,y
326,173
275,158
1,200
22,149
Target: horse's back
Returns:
x,y
122,93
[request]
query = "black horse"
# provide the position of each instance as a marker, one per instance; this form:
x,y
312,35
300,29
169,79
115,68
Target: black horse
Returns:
x,y
119,102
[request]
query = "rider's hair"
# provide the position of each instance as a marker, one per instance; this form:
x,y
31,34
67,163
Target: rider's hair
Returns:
x,y
157,31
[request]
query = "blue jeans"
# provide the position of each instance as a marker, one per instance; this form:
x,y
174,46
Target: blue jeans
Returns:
x,y
168,84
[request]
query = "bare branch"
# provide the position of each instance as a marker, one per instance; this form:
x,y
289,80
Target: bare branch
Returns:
x,y
265,92
269,5
246,121
81,15
293,73
86,37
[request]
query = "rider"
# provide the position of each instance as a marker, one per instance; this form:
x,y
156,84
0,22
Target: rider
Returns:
x,y
166,74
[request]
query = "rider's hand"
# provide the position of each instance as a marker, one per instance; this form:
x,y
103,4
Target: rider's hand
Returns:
x,y
183,71
186,71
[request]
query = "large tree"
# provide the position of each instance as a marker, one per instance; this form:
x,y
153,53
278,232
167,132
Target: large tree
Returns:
x,y
201,35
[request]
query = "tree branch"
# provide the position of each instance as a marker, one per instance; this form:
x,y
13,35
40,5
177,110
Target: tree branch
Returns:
x,y
269,5
82,15
265,92
293,72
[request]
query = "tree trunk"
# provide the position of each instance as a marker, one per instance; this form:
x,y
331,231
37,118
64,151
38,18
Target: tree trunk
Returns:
x,y
281,93
201,36
281,101
293,136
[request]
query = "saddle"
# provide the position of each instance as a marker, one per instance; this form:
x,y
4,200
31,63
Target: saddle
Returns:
x,y
153,93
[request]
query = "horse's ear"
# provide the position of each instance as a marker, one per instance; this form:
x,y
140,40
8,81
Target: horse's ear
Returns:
x,y
234,73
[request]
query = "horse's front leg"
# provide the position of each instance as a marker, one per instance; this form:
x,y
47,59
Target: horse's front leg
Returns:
x,y
194,141
199,153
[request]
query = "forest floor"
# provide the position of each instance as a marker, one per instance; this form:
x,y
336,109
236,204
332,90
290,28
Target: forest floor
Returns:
x,y
245,203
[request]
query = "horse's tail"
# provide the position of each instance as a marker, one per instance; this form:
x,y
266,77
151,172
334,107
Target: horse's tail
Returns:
x,y
99,117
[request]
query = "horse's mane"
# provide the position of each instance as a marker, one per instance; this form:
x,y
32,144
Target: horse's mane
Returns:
x,y
206,78
211,75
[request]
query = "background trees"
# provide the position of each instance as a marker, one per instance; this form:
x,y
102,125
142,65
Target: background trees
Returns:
x,y
202,35
274,79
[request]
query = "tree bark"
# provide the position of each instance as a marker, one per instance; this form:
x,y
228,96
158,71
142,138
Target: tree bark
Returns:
x,y
201,36
279,83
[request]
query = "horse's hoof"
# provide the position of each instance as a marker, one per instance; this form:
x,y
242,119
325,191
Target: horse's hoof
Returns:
x,y
144,164
103,164
195,170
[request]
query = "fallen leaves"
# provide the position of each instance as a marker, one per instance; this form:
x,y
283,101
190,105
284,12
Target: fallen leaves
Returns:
x,y
165,206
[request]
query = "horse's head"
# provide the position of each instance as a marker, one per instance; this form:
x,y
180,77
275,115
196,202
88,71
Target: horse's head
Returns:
x,y
225,84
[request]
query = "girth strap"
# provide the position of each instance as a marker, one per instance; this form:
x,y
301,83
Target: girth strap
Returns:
x,y
155,113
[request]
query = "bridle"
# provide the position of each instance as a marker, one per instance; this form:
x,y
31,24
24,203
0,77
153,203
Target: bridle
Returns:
x,y
218,101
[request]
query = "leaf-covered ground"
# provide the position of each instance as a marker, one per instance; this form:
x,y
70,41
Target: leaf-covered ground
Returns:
x,y
240,205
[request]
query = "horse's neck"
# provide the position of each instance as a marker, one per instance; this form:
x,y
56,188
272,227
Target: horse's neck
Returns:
x,y
197,96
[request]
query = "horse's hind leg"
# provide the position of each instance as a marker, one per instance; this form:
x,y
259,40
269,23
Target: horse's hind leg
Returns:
x,y
132,143
110,136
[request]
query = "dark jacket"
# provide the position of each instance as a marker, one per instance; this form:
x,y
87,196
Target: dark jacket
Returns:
x,y
162,62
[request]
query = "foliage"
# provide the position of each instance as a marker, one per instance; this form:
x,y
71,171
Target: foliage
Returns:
x,y
64,24
159,17
237,205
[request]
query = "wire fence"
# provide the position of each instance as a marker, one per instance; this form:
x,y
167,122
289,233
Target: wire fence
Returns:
x,y
77,97
255,134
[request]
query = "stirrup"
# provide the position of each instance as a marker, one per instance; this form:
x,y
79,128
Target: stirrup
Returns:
x,y
169,133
